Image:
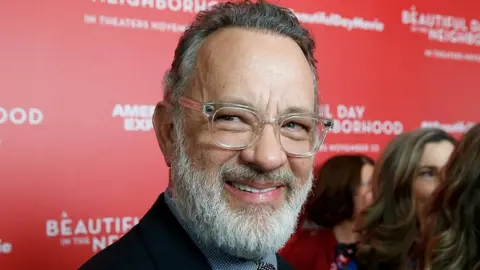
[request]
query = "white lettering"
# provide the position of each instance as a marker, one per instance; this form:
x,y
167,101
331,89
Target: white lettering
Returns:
x,y
475,25
175,5
65,241
99,243
35,116
65,227
457,127
367,127
325,111
356,148
133,3
52,228
133,124
338,20
388,128
97,229
409,16
5,247
124,22
106,225
348,147
127,224
80,228
161,4
167,27
452,55
200,5
172,5
81,241
136,117
453,36
432,20
352,112
145,111
89,19
112,239
148,4
188,6
20,116
443,28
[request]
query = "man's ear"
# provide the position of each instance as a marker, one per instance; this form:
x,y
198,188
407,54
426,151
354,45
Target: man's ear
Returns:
x,y
162,123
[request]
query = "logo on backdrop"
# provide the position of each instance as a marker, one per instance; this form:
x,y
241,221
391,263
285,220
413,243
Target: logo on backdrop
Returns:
x,y
135,117
442,28
338,20
184,6
456,127
189,6
350,119
5,247
97,233
20,116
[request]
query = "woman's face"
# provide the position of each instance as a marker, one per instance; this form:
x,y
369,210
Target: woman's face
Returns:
x,y
435,156
363,197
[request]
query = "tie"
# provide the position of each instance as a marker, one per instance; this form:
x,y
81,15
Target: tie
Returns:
x,y
266,266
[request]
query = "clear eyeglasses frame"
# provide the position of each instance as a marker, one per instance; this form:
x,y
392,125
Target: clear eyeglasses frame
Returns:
x,y
237,127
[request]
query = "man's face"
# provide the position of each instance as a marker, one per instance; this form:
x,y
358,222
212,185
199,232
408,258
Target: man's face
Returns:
x,y
247,201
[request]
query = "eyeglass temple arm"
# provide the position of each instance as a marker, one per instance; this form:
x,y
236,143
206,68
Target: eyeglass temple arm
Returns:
x,y
189,103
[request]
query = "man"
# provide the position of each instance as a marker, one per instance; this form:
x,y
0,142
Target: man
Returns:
x,y
239,128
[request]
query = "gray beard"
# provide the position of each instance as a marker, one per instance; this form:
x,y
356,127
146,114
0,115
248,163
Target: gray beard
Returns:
x,y
251,232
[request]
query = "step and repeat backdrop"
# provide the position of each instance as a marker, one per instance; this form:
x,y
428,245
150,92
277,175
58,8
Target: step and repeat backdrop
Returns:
x,y
79,163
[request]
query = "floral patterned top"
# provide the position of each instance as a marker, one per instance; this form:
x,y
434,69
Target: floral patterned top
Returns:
x,y
345,257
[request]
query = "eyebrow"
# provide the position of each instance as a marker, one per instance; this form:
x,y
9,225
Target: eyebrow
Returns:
x,y
241,101
430,167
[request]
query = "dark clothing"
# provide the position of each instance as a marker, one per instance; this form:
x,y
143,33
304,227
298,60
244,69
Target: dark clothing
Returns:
x,y
158,241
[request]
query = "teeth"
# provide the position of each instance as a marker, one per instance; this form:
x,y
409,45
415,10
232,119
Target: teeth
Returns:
x,y
251,189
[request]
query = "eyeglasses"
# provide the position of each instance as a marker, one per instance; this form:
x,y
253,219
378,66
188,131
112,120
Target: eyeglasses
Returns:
x,y
237,127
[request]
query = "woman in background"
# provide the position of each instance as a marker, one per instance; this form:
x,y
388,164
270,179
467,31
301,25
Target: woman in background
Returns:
x,y
342,191
405,175
451,228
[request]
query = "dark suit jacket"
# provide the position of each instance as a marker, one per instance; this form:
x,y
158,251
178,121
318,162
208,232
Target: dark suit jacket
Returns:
x,y
157,242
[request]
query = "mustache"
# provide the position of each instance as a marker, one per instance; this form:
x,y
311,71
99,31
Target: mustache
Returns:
x,y
243,173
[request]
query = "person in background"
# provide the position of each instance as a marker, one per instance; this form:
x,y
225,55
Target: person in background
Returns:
x,y
239,127
451,226
342,191
407,172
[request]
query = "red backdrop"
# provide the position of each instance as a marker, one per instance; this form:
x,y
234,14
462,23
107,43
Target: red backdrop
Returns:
x,y
78,158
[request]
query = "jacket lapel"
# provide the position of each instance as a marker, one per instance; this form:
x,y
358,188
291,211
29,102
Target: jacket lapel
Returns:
x,y
168,245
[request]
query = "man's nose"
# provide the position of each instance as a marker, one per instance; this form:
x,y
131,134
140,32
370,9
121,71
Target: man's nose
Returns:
x,y
266,154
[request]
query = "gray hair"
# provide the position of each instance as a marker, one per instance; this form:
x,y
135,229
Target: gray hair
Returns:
x,y
259,16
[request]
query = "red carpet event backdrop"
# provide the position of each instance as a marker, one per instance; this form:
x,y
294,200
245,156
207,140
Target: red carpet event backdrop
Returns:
x,y
79,163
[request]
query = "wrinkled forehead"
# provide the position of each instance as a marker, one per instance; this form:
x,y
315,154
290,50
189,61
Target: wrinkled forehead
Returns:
x,y
265,71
